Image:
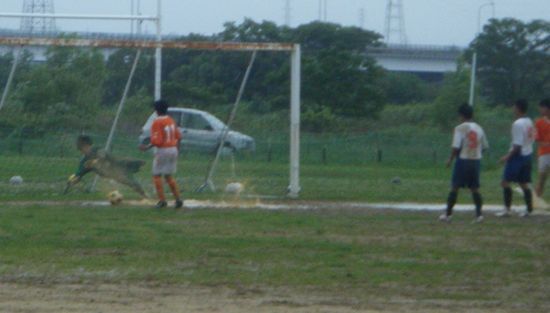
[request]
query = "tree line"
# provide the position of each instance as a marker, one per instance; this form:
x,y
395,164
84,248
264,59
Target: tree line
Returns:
x,y
77,88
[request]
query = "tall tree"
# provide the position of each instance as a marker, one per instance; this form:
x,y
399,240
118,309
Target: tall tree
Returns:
x,y
337,73
513,59
64,92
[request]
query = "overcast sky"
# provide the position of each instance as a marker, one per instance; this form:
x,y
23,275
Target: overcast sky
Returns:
x,y
440,22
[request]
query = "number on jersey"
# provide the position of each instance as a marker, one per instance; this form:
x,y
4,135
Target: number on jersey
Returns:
x,y
170,133
473,140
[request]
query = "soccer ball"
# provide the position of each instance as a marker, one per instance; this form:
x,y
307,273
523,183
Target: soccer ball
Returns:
x,y
115,197
16,180
396,180
234,188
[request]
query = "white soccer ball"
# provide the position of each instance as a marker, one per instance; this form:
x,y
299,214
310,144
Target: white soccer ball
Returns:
x,y
234,188
16,180
115,197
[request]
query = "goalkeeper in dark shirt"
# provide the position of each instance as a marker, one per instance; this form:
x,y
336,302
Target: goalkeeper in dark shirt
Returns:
x,y
106,166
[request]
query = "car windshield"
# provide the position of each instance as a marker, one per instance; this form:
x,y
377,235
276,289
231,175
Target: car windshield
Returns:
x,y
214,121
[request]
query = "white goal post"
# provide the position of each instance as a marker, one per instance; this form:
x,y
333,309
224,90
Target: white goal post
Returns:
x,y
158,44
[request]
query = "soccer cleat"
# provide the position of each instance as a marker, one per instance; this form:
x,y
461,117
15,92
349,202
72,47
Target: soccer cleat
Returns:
x,y
504,213
524,214
445,218
161,204
179,204
478,220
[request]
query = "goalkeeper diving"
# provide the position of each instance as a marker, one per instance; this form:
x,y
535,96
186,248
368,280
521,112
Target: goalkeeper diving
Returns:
x,y
105,165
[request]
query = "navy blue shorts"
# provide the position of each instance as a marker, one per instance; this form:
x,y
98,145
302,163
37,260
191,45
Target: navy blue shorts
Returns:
x,y
518,169
466,173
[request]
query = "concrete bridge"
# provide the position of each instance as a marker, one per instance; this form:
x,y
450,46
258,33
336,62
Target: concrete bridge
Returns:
x,y
428,61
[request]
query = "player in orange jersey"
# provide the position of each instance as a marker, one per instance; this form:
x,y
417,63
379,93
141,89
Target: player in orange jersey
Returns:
x,y
165,138
542,126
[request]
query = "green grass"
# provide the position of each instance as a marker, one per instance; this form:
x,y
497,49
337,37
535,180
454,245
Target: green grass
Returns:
x,y
45,180
348,170
356,255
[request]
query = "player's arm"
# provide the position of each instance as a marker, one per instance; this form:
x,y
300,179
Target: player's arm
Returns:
x,y
452,156
156,137
516,150
77,176
457,143
517,140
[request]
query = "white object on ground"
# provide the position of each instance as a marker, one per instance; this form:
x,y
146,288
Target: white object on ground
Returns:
x,y
16,180
234,188
115,197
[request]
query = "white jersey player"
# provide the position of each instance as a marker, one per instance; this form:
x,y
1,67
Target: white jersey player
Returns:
x,y
469,141
518,160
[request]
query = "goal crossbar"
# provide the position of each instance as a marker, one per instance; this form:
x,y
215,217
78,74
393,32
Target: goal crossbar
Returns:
x,y
145,44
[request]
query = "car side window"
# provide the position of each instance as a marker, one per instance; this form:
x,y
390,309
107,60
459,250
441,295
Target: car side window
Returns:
x,y
186,120
198,122
176,116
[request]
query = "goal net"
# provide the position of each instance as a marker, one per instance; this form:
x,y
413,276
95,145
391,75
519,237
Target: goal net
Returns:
x,y
58,87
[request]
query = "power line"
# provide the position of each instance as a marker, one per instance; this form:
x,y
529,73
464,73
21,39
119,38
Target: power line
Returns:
x,y
38,24
135,9
323,10
288,12
395,22
361,18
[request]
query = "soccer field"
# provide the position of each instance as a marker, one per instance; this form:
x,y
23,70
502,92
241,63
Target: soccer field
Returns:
x,y
45,179
132,259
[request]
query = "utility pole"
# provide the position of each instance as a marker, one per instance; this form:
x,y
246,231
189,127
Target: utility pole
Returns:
x,y
361,18
395,22
38,25
132,12
135,9
288,11
474,55
323,10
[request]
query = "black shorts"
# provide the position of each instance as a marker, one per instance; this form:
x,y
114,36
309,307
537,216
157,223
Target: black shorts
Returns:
x,y
466,173
518,169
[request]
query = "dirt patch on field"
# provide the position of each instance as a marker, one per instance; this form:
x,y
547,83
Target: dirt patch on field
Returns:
x,y
19,298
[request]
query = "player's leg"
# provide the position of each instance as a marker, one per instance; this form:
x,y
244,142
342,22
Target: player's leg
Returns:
x,y
528,197
507,197
457,181
474,173
169,172
524,182
474,184
511,174
158,168
540,184
157,180
175,190
131,182
451,202
543,169
478,202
